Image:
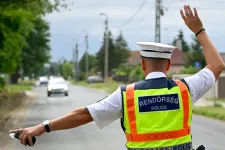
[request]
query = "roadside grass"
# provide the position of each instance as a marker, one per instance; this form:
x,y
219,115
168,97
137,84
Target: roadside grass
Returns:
x,y
11,99
13,108
109,86
216,99
16,88
216,112
9,102
29,82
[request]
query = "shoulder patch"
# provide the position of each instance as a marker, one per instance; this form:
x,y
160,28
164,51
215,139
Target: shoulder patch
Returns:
x,y
158,103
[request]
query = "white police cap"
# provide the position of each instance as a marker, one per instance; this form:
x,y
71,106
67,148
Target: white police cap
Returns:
x,y
156,50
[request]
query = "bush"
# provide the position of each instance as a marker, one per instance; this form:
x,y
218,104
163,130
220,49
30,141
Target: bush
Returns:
x,y
2,83
123,70
121,78
169,76
218,105
136,74
189,70
82,76
29,82
121,73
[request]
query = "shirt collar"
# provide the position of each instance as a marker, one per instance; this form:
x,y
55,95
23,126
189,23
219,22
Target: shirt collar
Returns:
x,y
154,75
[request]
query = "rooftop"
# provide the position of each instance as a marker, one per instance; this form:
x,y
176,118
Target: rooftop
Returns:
x,y
178,57
222,54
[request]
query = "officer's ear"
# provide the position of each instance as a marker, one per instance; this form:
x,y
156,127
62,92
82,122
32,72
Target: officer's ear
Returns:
x,y
143,64
168,65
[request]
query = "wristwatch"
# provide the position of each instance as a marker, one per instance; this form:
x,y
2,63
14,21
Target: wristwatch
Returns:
x,y
46,124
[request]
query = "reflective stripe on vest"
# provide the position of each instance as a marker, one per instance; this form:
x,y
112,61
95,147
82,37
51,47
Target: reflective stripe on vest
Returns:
x,y
134,136
186,146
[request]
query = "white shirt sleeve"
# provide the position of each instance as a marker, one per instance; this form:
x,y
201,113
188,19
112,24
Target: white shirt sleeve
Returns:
x,y
107,110
200,83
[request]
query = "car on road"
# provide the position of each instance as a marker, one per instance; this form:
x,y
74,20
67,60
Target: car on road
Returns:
x,y
95,79
43,80
57,86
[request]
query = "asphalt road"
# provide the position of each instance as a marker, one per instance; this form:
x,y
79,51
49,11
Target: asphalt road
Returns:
x,y
205,131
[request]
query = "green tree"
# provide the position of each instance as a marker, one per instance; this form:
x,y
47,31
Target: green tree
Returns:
x,y
123,70
54,69
101,55
17,20
13,30
37,53
44,71
185,46
91,62
189,70
118,53
67,70
196,54
121,50
137,74
36,6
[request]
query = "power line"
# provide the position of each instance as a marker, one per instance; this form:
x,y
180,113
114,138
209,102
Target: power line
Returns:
x,y
136,13
133,16
129,20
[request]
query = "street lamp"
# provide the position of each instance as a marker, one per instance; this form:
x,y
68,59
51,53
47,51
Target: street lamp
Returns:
x,y
103,14
86,52
106,47
75,58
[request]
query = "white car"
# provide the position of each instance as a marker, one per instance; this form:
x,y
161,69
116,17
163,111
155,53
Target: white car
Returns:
x,y
43,80
57,86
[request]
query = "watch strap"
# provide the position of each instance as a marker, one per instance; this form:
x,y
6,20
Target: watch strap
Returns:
x,y
203,29
46,124
47,128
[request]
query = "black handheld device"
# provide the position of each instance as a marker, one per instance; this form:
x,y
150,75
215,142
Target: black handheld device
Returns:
x,y
16,135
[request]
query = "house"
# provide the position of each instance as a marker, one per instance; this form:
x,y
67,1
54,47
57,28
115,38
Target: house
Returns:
x,y
217,91
223,56
177,60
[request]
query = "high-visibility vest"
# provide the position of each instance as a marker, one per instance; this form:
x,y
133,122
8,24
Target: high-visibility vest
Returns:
x,y
157,113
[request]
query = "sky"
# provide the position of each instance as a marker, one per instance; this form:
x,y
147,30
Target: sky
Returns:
x,y
67,27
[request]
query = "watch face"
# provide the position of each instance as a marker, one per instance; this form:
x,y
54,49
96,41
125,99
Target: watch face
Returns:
x,y
45,122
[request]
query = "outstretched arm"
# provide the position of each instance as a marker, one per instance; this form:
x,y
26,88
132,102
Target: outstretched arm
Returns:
x,y
103,113
73,119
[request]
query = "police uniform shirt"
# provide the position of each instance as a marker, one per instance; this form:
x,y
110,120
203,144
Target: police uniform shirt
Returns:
x,y
109,109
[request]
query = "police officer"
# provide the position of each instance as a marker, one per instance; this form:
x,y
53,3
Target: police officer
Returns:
x,y
155,113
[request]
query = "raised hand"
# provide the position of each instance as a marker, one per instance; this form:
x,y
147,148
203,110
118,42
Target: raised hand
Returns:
x,y
191,19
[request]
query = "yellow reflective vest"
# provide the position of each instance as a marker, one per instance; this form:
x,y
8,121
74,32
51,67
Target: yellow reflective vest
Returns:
x,y
157,113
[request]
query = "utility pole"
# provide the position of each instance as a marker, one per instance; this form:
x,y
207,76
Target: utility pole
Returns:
x,y
106,48
158,13
179,44
86,51
76,61
74,64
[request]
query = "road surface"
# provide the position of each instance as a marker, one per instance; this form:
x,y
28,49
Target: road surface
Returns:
x,y
205,131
